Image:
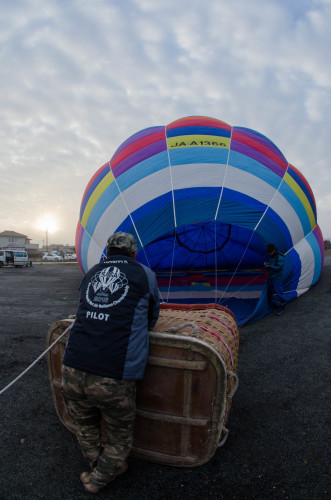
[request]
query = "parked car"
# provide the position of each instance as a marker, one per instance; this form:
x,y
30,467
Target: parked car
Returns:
x,y
52,257
70,256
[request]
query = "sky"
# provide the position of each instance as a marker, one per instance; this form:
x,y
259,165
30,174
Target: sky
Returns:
x,y
78,77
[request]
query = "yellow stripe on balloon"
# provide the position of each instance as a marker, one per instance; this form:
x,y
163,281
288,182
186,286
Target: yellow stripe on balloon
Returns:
x,y
101,187
302,197
188,141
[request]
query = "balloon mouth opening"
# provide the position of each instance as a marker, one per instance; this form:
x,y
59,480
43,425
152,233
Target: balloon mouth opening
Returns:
x,y
209,262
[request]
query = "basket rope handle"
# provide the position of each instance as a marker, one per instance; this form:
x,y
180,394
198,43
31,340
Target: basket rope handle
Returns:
x,y
224,438
225,431
230,375
175,329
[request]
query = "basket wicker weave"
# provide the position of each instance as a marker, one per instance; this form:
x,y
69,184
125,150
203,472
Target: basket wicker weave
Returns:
x,y
212,323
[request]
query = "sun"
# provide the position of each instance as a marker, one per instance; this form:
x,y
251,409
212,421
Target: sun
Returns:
x,y
47,223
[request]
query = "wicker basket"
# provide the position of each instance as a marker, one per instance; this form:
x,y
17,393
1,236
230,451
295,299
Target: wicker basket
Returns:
x,y
184,399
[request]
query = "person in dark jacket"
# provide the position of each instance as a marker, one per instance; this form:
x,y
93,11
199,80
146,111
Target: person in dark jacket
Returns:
x,y
106,353
275,267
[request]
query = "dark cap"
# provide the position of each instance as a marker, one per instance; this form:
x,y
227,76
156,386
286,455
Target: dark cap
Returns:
x,y
124,241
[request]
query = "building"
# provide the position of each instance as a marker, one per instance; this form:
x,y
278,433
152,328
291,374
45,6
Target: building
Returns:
x,y
11,239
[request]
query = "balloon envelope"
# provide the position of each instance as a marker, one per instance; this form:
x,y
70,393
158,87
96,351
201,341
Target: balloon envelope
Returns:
x,y
203,200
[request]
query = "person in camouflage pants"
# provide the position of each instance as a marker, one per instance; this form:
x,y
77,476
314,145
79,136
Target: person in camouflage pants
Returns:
x,y
91,398
106,353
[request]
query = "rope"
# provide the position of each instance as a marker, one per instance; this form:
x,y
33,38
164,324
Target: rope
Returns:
x,y
133,224
225,173
174,212
229,396
217,210
235,294
227,326
305,237
130,215
215,255
176,329
36,361
171,179
91,237
215,334
225,437
235,272
255,228
172,265
230,374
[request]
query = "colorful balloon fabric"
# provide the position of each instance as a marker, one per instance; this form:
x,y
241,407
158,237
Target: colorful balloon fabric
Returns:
x,y
203,200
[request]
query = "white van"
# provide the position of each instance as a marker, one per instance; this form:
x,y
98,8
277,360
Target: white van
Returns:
x,y
17,257
20,258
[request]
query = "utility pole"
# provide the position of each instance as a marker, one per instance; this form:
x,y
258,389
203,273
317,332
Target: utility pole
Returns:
x,y
46,239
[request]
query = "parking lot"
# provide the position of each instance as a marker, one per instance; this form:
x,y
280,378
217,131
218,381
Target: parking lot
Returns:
x,y
278,441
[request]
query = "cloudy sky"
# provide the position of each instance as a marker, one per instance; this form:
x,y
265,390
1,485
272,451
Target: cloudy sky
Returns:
x,y
80,76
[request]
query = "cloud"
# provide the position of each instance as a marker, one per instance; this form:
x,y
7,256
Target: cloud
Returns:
x,y
79,77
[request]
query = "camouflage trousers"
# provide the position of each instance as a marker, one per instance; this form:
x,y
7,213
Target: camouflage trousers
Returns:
x,y
92,399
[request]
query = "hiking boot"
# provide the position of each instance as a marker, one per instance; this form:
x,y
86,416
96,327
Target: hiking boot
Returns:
x,y
85,478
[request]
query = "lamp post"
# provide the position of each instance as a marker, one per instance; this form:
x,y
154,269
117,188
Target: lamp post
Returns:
x,y
46,239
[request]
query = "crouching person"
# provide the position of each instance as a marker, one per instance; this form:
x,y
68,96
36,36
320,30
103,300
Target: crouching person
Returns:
x,y
106,353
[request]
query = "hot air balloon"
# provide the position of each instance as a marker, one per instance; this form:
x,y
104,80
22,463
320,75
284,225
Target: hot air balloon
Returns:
x,y
203,200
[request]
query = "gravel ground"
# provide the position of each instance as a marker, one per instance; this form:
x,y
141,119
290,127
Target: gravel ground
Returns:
x,y
278,442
